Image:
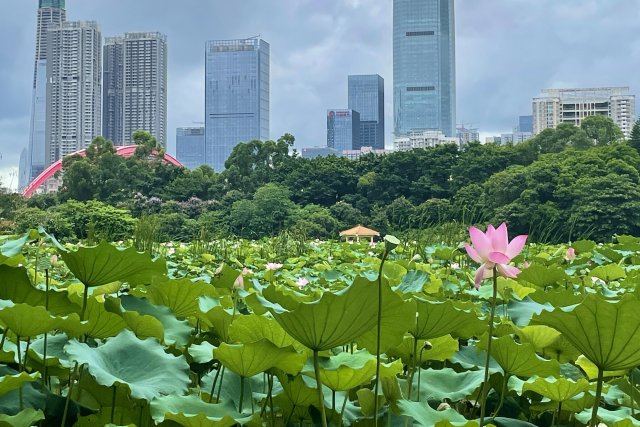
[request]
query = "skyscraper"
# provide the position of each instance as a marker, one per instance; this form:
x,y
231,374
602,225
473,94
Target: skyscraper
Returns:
x,y
366,96
190,146
343,130
74,90
135,87
236,96
51,13
424,76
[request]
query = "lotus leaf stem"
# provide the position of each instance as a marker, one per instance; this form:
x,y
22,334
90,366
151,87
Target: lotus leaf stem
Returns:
x,y
502,394
485,384
316,368
220,386
113,402
378,335
213,386
596,403
241,394
84,302
66,403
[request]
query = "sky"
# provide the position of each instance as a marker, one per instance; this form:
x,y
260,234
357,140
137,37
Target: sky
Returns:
x,y
507,51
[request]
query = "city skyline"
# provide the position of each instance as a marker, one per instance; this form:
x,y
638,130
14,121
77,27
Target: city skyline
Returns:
x,y
331,43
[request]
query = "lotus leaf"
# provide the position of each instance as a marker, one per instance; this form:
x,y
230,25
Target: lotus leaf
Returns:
x,y
608,272
181,296
28,321
413,281
103,264
520,312
540,336
558,389
144,326
190,411
141,365
215,317
252,328
582,246
202,353
397,318
25,418
334,320
543,276
618,418
102,323
436,319
13,382
426,416
250,359
607,333
224,277
591,370
521,359
438,385
298,391
176,332
10,250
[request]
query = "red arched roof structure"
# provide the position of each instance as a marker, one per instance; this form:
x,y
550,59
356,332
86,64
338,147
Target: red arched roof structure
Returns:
x,y
124,151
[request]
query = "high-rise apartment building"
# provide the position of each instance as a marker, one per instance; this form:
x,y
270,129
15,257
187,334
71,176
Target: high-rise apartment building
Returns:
x,y
366,96
74,90
51,13
190,146
424,76
466,135
135,87
236,96
555,106
343,130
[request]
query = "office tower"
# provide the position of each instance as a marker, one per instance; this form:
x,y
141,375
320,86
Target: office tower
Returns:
x,y
343,130
135,87
366,96
51,13
23,170
190,146
525,124
74,71
424,77
555,106
236,96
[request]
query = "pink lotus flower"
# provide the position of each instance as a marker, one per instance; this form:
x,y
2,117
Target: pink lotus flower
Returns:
x,y
493,249
273,266
570,255
302,282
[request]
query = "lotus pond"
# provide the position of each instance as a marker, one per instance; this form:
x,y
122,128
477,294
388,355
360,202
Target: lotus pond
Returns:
x,y
317,333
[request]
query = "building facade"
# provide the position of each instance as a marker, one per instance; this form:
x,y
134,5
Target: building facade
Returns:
x,y
422,139
190,146
555,106
74,89
236,96
466,135
424,77
343,130
135,87
363,151
366,96
525,124
51,13
313,152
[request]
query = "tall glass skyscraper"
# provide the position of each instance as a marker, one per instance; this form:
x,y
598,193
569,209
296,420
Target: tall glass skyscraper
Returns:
x,y
236,96
366,96
190,146
51,13
343,130
424,76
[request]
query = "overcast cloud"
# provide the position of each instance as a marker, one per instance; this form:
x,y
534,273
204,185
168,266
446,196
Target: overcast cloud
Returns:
x,y
506,52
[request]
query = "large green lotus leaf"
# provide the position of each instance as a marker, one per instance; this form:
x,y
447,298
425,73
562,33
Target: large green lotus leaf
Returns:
x,y
345,371
543,276
398,316
582,246
190,411
426,416
591,370
24,418
10,250
297,390
176,332
224,277
608,272
557,389
202,353
437,319
144,326
612,255
608,334
561,350
437,349
393,272
102,323
440,384
29,321
540,336
412,282
509,288
520,359
181,296
142,366
250,359
577,404
56,357
252,328
102,264
557,297
618,418
520,312
335,319
215,317
16,286
13,382
229,384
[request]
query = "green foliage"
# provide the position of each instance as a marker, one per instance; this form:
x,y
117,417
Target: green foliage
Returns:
x,y
603,130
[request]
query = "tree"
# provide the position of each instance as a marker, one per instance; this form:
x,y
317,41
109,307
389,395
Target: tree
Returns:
x,y
601,129
634,140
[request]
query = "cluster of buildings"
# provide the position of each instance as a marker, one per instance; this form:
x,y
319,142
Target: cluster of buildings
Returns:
x,y
84,87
